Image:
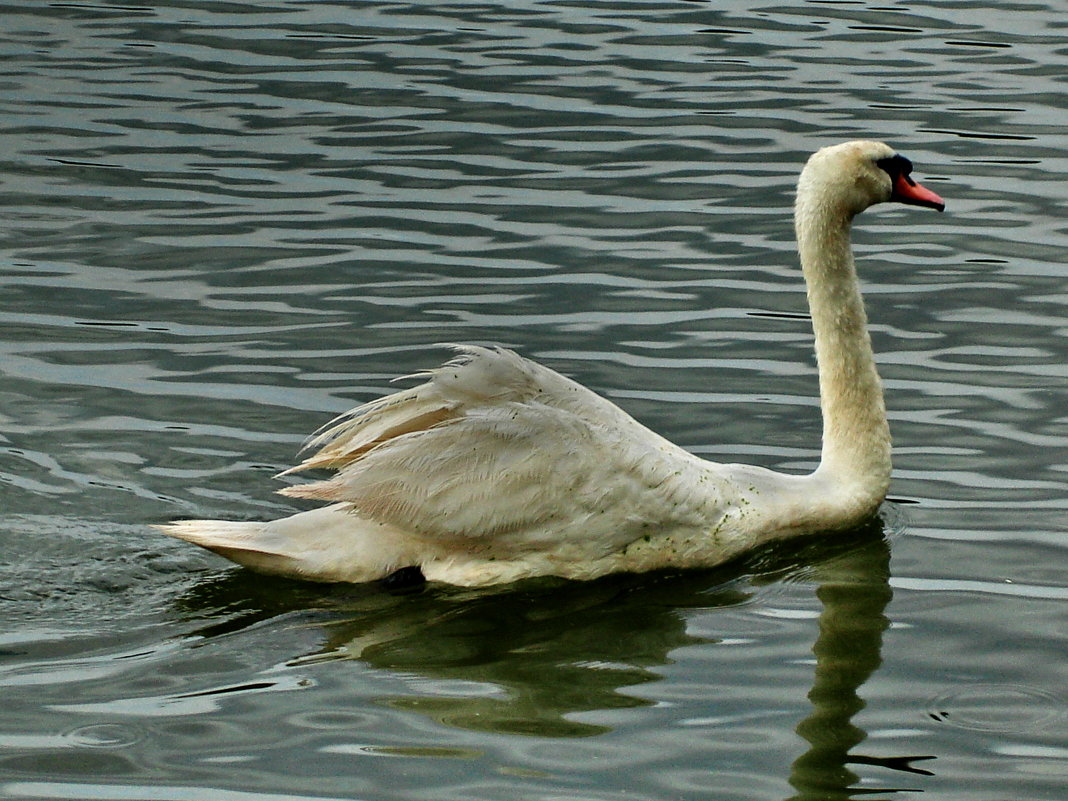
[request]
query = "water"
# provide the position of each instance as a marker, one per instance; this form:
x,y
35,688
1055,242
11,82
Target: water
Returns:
x,y
224,222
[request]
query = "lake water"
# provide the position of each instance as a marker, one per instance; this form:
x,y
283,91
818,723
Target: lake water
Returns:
x,y
225,222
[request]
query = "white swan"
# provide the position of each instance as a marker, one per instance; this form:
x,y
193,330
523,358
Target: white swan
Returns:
x,y
497,468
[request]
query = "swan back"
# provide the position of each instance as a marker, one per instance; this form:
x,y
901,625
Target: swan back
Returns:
x,y
497,455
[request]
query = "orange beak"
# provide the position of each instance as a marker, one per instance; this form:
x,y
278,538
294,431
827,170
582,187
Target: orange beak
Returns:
x,y
912,193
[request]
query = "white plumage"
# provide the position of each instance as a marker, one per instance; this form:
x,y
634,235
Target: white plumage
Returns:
x,y
497,468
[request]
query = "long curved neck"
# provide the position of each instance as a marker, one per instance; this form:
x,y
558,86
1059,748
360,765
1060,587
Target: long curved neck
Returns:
x,y
856,437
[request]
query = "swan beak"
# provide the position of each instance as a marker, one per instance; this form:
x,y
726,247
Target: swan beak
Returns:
x,y
912,193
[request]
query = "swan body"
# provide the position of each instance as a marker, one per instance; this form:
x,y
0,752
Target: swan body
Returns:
x,y
496,468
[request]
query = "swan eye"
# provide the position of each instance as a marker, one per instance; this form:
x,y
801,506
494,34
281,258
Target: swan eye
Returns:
x,y
896,166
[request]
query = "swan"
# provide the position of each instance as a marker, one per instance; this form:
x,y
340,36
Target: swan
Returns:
x,y
497,468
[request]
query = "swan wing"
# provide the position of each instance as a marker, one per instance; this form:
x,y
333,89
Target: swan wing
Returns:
x,y
501,455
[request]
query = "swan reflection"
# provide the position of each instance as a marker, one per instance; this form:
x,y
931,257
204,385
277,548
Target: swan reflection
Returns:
x,y
528,661
854,591
544,658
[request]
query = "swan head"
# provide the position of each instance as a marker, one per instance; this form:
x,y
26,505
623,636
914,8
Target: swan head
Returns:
x,y
850,177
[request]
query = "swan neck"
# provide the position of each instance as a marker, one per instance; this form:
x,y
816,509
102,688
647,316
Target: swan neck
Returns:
x,y
856,437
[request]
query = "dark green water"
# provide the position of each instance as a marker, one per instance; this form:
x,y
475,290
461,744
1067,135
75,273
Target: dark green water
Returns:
x,y
224,222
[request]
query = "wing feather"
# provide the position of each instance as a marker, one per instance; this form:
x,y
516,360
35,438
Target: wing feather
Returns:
x,y
504,455
475,376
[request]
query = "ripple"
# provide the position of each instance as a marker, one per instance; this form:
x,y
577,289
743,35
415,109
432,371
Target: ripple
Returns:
x,y
1001,708
332,720
434,752
105,735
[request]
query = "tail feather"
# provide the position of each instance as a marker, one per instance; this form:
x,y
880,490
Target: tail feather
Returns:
x,y
327,544
242,543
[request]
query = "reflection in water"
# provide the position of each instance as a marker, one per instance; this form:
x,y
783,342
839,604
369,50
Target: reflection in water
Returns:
x,y
526,659
854,590
516,660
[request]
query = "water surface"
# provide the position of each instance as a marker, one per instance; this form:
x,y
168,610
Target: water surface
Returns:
x,y
225,222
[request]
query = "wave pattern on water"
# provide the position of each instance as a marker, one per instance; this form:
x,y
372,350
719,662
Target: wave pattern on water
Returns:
x,y
226,222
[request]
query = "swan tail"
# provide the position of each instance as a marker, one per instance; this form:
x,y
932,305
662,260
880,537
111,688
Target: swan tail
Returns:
x,y
243,543
327,544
